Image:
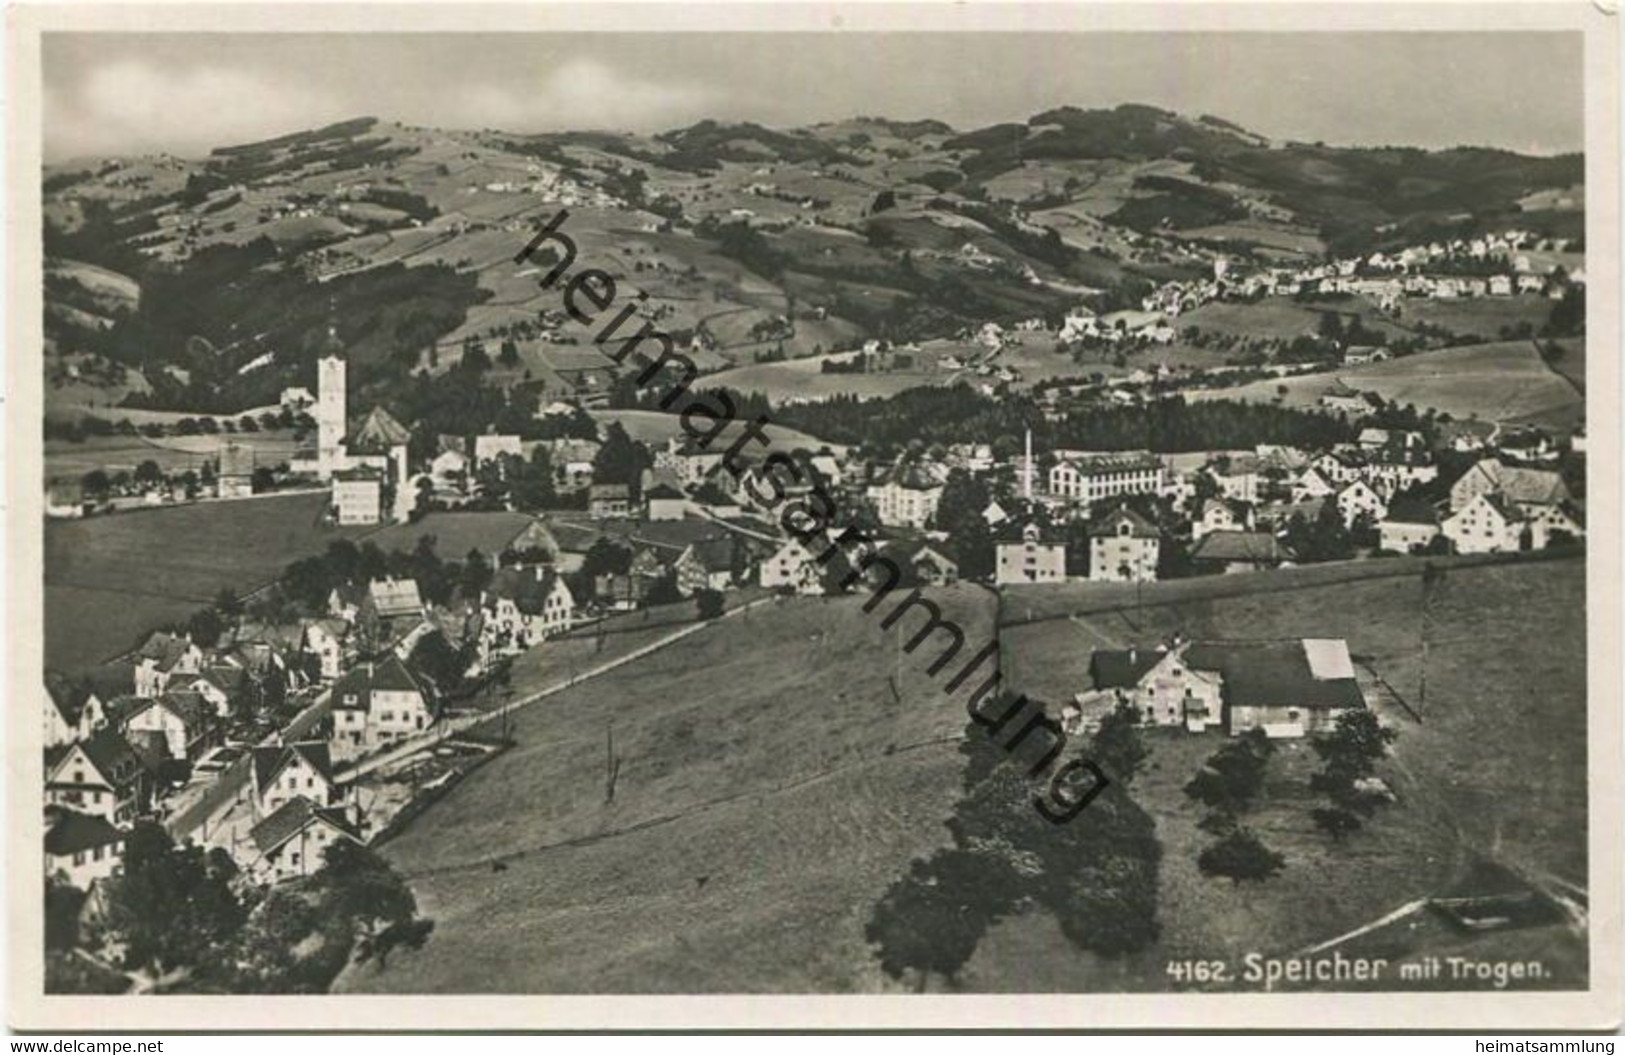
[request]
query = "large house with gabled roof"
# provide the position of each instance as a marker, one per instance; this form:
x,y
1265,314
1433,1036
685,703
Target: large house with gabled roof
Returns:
x,y
378,702
103,774
292,841
280,773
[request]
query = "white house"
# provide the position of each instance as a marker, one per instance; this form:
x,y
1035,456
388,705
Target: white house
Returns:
x,y
81,848
376,703
1487,524
1034,558
1359,499
1123,547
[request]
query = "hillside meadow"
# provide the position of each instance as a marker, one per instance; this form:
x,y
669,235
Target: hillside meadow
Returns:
x,y
758,808
111,579
1504,382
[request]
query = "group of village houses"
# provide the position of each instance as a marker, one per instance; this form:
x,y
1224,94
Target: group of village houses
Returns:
x,y
1506,264
115,734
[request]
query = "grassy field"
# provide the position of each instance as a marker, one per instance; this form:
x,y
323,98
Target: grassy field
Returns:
x,y
1495,382
655,428
1516,796
110,579
760,809
801,380
1482,317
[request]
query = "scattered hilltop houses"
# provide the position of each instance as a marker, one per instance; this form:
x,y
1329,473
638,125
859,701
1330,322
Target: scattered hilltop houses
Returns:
x,y
1087,477
1289,689
1034,557
376,703
1123,547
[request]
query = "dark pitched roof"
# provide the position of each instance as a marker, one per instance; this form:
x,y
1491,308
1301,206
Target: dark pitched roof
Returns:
x,y
195,713
527,588
1258,546
386,675
376,433
1412,511
1275,674
110,680
111,754
1109,524
72,832
66,695
294,816
713,555
270,761
663,490
1122,669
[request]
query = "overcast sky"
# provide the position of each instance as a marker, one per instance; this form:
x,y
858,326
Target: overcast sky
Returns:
x,y
185,94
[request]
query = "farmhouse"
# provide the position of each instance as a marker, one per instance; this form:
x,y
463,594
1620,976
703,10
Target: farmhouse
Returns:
x,y
705,565
161,657
1217,515
931,567
608,501
1123,547
235,478
1287,688
793,567
1359,500
1034,558
665,502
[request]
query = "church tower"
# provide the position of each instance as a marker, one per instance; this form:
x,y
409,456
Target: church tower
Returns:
x,y
330,406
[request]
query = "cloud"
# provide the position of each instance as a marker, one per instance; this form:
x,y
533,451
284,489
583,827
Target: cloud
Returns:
x,y
579,94
129,105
